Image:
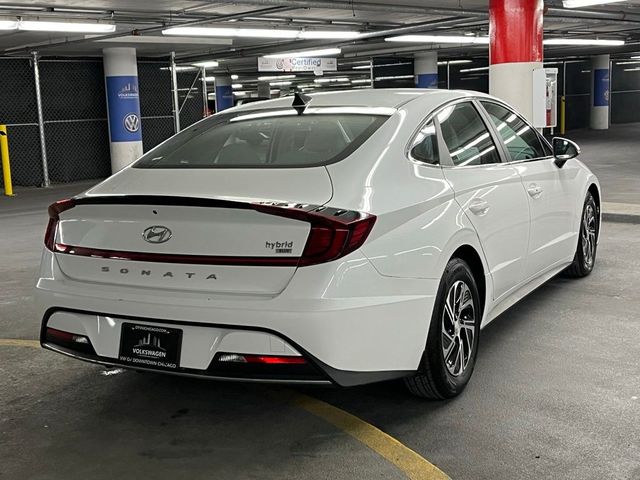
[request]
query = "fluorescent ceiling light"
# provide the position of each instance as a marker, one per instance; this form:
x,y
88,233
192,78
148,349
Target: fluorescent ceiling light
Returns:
x,y
478,69
455,62
261,33
209,79
8,25
586,3
394,77
330,80
275,77
362,67
306,53
361,80
439,39
629,62
279,84
234,77
394,64
583,42
230,32
237,86
206,63
328,35
179,68
71,27
637,69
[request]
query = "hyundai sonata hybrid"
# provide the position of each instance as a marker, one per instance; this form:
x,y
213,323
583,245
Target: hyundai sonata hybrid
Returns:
x,y
340,238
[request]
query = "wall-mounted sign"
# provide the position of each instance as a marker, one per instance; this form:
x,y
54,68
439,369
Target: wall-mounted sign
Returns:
x,y
124,108
601,87
297,64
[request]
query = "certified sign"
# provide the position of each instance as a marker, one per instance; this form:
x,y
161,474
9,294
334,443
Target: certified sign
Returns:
x,y
297,64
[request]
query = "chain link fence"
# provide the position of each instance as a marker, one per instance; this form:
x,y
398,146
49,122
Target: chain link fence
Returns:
x,y
75,119
154,81
190,97
18,111
75,115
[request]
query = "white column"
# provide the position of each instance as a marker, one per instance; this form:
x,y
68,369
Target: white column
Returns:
x,y
515,51
123,106
224,92
600,92
425,68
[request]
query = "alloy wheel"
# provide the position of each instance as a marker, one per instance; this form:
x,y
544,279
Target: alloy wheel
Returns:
x,y
458,328
588,232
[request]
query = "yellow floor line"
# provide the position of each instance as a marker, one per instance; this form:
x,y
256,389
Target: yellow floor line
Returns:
x,y
16,342
409,462
406,460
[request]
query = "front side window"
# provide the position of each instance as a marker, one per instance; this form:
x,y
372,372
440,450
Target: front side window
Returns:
x,y
467,138
425,145
521,140
265,140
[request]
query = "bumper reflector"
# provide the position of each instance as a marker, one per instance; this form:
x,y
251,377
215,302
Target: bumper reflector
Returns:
x,y
72,341
54,334
262,359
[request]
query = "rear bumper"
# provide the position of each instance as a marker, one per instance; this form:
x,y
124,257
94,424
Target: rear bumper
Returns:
x,y
103,350
352,325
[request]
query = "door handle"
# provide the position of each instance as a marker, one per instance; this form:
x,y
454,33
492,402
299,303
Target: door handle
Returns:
x,y
479,207
534,190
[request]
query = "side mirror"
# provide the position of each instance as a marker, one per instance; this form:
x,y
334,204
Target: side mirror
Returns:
x,y
564,150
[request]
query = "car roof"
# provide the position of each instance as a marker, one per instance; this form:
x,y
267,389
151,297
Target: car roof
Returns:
x,y
370,97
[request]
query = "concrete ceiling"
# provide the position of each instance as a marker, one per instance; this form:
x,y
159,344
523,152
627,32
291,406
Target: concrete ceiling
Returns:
x,y
145,18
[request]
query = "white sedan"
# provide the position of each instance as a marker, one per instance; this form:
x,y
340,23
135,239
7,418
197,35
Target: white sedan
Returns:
x,y
344,238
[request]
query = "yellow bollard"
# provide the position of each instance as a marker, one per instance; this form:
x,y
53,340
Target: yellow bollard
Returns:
x,y
563,112
6,167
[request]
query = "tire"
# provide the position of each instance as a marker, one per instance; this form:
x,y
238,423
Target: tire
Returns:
x,y
585,257
436,377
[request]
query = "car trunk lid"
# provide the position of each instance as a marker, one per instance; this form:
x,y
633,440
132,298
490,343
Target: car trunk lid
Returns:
x,y
211,236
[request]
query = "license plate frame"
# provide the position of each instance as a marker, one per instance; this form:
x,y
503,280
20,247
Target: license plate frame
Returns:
x,y
150,346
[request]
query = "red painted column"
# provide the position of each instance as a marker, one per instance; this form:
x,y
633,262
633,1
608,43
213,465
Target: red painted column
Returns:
x,y
516,33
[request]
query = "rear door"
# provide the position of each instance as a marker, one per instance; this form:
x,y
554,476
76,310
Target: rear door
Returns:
x,y
490,192
550,190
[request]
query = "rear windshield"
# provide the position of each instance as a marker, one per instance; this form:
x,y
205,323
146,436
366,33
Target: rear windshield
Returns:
x,y
268,139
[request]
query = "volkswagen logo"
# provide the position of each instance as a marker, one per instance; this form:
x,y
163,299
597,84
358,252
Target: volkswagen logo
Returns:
x,y
156,234
132,123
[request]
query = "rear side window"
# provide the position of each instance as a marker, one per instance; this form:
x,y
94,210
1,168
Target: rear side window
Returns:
x,y
265,139
467,138
425,145
521,140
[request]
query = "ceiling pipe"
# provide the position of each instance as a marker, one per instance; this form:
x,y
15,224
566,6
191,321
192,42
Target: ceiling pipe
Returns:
x,y
367,6
592,14
554,12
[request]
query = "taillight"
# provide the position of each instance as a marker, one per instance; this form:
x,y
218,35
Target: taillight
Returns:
x,y
55,209
334,233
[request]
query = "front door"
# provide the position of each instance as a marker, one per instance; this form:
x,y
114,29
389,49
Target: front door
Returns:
x,y
550,190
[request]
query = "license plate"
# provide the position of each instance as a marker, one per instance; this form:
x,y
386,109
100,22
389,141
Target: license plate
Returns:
x,y
150,346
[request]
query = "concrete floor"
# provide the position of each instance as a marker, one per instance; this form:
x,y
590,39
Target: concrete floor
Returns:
x,y
555,394
614,157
